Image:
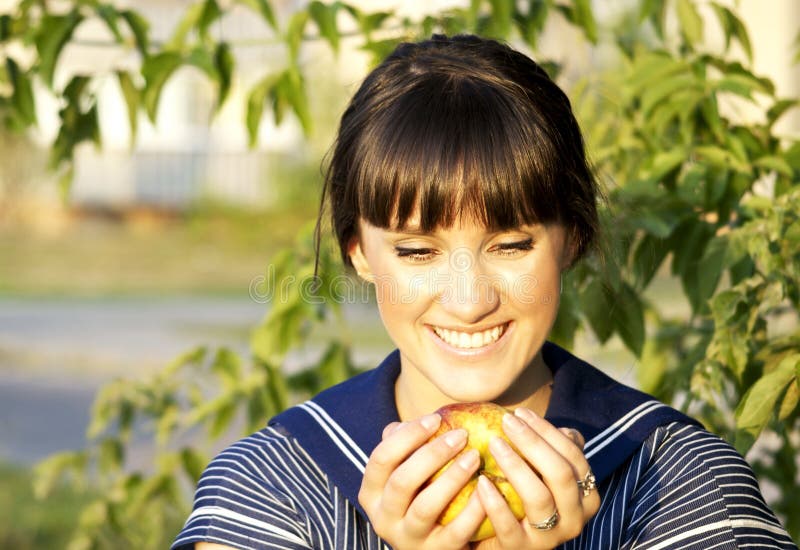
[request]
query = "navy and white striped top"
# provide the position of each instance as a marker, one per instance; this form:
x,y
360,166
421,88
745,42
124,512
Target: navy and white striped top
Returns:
x,y
665,482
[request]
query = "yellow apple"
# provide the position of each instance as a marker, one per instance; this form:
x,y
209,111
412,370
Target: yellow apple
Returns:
x,y
482,421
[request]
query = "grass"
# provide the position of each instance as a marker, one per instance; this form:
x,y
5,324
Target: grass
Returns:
x,y
210,251
27,523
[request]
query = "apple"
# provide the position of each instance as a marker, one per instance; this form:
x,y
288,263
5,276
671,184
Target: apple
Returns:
x,y
483,421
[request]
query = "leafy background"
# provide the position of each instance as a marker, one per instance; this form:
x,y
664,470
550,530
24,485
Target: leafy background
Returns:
x,y
696,194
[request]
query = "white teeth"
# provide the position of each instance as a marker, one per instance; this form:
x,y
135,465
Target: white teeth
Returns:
x,y
472,340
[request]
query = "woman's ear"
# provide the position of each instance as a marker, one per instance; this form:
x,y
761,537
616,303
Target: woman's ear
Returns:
x,y
570,250
358,259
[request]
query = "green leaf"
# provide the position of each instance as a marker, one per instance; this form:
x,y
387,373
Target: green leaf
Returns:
x,y
721,158
193,463
501,18
596,305
771,162
294,33
690,21
740,32
688,244
156,71
628,318
54,32
700,279
194,356
647,258
779,108
584,18
790,401
665,162
656,93
202,59
652,67
224,64
289,90
324,17
655,11
742,85
52,469
190,20
227,365
264,8
140,28
652,367
132,97
111,454
6,27
109,15
208,15
332,368
761,400
733,27
255,106
22,97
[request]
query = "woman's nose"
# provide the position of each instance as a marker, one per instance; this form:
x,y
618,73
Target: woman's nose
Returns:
x,y
468,292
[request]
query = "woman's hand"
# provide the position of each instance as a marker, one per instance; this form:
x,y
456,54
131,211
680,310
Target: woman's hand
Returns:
x,y
557,456
402,510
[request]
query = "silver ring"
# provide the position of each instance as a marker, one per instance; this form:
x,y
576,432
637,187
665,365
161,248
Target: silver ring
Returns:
x,y
587,484
547,524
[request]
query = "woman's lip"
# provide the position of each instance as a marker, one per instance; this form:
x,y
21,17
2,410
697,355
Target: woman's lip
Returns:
x,y
471,352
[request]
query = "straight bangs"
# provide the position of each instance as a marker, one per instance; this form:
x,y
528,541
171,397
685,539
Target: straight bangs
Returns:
x,y
452,148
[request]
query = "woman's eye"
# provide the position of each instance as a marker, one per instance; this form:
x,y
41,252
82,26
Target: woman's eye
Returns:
x,y
509,249
415,254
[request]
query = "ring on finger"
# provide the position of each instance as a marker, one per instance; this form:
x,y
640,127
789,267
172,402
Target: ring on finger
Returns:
x,y
548,523
587,484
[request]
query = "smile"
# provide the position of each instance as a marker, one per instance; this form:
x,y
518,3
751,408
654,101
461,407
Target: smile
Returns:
x,y
470,340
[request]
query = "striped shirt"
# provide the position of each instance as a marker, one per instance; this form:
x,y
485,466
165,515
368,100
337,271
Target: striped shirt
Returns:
x,y
665,482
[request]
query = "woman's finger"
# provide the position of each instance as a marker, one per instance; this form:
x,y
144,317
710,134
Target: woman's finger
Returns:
x,y
431,502
559,461
567,442
537,499
507,528
405,481
391,452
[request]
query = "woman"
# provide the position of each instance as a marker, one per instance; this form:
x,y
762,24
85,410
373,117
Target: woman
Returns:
x,y
459,187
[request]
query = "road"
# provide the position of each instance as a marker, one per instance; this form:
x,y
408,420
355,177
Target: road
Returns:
x,y
56,353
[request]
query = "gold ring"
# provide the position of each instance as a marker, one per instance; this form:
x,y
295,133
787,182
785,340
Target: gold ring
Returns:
x,y
587,484
547,524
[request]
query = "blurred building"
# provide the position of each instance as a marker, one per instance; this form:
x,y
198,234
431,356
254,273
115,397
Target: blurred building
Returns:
x,y
185,157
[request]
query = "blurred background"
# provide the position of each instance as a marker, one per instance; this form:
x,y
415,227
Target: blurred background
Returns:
x,y
156,244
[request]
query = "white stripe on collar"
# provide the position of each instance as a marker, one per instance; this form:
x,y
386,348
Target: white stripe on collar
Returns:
x,y
619,427
342,440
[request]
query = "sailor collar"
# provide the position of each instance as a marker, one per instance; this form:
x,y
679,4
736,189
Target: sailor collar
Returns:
x,y
340,427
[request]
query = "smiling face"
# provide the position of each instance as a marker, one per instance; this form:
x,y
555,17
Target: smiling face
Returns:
x,y
468,308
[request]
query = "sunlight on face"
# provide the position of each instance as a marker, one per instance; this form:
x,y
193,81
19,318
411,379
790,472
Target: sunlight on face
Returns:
x,y
468,308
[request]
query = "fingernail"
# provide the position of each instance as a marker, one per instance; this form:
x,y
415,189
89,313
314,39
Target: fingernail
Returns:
x,y
574,435
468,459
512,423
499,447
455,438
430,421
485,486
522,412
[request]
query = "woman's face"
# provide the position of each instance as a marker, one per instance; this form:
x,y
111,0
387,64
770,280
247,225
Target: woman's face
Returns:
x,y
468,308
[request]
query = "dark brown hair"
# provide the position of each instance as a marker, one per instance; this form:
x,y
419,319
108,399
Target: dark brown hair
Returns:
x,y
460,126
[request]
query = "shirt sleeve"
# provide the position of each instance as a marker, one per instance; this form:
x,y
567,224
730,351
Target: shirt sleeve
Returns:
x,y
243,500
698,493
